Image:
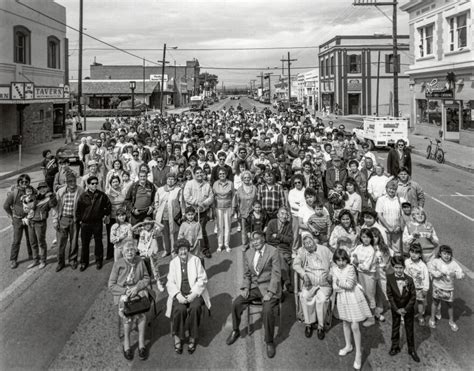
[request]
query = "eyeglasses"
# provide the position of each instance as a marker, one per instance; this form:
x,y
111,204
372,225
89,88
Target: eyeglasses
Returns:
x,y
93,183
297,183
159,161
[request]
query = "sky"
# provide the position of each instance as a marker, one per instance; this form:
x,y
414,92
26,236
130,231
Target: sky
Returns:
x,y
295,26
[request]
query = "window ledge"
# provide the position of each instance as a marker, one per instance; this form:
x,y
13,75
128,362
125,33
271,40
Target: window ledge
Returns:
x,y
458,51
427,58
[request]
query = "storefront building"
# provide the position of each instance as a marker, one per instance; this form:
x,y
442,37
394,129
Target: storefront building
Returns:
x,y
356,75
442,74
34,92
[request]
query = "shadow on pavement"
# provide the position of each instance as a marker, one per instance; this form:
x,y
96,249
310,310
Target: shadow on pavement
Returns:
x,y
212,324
222,267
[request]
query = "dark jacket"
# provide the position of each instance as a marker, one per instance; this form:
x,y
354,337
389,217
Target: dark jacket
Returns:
x,y
92,207
132,195
159,176
393,161
406,299
284,237
43,205
13,205
331,177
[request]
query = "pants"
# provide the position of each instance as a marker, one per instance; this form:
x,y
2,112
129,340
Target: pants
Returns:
x,y
285,263
380,292
110,246
368,282
69,133
169,239
243,231
409,330
295,228
87,231
67,228
187,317
223,226
135,219
314,305
18,228
37,235
268,310
203,219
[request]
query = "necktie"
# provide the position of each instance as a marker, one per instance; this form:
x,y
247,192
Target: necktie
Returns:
x,y
259,266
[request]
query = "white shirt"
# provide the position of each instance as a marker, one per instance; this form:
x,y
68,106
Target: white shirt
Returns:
x,y
376,185
296,200
390,209
257,257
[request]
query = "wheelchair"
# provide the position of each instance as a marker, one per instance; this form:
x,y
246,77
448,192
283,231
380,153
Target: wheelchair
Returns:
x,y
328,305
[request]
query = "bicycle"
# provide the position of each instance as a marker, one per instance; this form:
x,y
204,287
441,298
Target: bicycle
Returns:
x,y
435,151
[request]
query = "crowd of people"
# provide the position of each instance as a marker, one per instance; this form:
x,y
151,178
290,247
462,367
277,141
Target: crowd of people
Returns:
x,y
304,197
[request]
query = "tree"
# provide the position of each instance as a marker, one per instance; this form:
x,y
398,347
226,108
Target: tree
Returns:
x,y
208,80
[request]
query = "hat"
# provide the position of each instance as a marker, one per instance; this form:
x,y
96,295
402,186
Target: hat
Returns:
x,y
43,185
91,163
406,204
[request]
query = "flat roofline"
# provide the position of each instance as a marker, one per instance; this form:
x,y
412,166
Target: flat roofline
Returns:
x,y
363,37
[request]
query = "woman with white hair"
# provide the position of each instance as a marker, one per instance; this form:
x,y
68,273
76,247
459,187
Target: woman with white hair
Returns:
x,y
129,278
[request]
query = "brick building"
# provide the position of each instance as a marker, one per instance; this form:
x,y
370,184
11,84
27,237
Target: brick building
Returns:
x,y
33,71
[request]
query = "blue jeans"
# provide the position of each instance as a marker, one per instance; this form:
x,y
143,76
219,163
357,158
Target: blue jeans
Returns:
x,y
37,235
18,228
67,229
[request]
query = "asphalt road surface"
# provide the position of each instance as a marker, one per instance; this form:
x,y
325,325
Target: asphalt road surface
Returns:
x,y
67,320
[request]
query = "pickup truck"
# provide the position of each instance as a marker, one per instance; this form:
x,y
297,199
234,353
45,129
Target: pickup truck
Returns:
x,y
380,132
197,103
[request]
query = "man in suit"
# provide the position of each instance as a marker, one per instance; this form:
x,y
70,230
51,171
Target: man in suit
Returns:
x,y
261,281
336,174
402,297
398,158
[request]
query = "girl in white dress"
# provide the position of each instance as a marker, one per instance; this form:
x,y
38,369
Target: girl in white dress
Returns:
x,y
351,304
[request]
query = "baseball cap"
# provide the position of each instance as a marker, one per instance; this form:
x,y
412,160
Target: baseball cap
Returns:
x,y
42,185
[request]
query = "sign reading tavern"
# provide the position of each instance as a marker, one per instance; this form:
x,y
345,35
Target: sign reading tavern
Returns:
x,y
42,93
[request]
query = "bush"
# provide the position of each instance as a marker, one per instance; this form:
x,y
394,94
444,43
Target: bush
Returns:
x,y
112,112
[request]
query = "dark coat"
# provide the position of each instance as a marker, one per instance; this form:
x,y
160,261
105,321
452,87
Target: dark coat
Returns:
x,y
406,299
393,161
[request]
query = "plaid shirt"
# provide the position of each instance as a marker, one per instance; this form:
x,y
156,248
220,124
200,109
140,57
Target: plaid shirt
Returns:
x,y
68,203
271,198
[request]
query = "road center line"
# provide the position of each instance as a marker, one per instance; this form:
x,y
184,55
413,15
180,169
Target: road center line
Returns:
x,y
5,229
451,208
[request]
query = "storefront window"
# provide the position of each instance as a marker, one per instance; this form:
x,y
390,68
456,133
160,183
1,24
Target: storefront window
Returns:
x,y
468,115
428,111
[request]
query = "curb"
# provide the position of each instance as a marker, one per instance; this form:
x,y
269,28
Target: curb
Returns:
x,y
449,163
19,171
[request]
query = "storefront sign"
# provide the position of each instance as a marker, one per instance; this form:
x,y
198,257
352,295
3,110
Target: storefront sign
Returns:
x,y
29,90
42,93
436,89
4,92
66,91
158,78
354,85
18,90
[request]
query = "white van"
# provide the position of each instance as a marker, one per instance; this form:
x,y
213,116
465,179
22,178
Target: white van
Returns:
x,y
381,132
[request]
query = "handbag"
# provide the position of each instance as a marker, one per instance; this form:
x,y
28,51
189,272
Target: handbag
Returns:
x,y
136,305
178,219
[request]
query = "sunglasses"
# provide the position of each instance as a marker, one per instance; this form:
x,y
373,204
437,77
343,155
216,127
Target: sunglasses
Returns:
x,y
94,183
297,182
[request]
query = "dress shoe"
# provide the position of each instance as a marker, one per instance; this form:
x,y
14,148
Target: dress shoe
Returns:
x,y
73,265
191,347
394,351
128,354
13,264
178,347
33,264
414,356
42,265
308,331
208,255
59,267
234,335
98,265
82,268
271,350
321,333
142,353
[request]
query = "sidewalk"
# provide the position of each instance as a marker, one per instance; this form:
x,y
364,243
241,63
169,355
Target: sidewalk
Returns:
x,y
456,155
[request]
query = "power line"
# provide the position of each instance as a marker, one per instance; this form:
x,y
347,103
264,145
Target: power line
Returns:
x,y
86,34
215,49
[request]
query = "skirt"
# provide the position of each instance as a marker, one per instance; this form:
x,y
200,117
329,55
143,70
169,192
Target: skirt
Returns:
x,y
352,305
443,295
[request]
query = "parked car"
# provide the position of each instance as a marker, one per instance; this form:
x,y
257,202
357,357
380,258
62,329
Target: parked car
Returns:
x,y
127,104
197,103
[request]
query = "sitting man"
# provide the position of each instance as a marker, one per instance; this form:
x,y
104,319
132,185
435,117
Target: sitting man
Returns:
x,y
261,281
280,235
312,264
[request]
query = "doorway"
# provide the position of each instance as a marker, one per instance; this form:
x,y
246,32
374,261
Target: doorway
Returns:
x,y
452,121
354,104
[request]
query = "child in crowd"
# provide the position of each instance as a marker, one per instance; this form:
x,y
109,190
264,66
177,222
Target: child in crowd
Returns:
x,y
337,201
256,221
28,200
406,213
401,295
444,270
420,231
352,307
120,233
363,258
345,243
320,223
191,230
382,263
418,271
148,247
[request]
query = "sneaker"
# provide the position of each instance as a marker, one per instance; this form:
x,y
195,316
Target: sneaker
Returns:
x,y
438,314
219,249
13,264
227,249
215,229
32,265
239,228
432,323
42,265
453,326
54,242
369,322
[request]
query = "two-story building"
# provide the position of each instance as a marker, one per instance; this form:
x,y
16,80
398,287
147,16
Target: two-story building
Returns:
x,y
356,75
34,94
442,73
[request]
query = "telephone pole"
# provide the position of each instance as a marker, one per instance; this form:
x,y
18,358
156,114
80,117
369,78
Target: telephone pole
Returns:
x,y
79,80
396,59
261,81
162,79
268,76
289,60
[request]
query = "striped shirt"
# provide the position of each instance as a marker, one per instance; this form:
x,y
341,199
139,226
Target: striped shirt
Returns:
x,y
390,209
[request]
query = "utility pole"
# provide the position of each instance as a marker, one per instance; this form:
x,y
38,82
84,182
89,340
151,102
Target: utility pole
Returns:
x,y
378,85
162,79
261,81
268,76
144,96
289,74
79,80
396,61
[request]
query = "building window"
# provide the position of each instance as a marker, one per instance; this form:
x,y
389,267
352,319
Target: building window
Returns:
x,y
327,66
21,45
354,63
467,115
389,62
321,67
53,52
426,40
332,65
457,32
428,111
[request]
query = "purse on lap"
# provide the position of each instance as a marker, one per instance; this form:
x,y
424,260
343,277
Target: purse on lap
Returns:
x,y
136,305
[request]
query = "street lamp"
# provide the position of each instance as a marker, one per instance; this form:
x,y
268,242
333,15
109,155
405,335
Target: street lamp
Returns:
x,y
133,85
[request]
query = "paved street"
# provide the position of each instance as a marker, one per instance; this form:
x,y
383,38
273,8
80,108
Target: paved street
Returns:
x,y
67,320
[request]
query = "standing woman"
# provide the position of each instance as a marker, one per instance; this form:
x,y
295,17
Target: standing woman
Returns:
x,y
296,199
116,170
354,200
168,205
244,198
117,200
223,195
346,228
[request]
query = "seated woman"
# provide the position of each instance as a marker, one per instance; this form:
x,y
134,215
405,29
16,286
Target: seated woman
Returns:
x,y
187,292
129,278
312,263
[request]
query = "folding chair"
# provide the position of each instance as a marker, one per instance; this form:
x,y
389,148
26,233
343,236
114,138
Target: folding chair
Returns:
x,y
258,305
